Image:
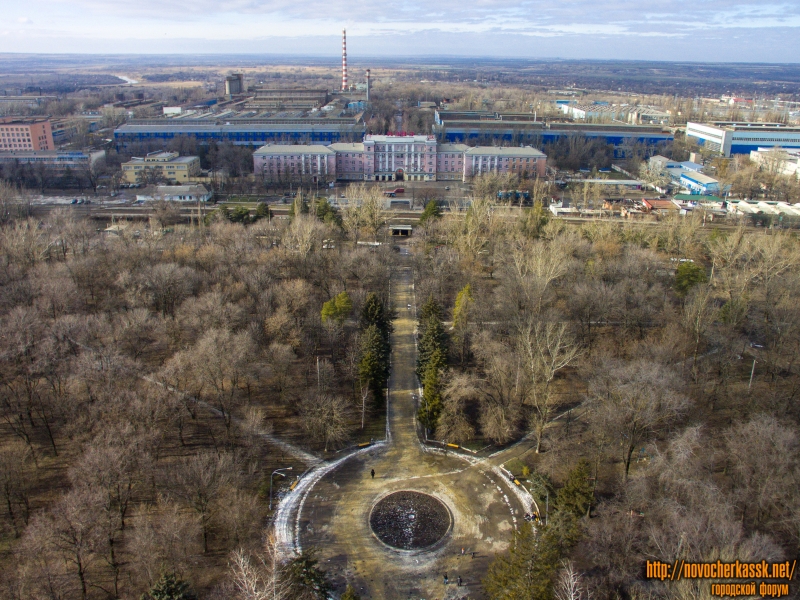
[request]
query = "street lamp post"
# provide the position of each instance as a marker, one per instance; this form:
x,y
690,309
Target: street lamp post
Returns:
x,y
278,471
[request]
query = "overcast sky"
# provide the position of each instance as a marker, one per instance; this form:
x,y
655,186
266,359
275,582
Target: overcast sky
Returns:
x,y
702,30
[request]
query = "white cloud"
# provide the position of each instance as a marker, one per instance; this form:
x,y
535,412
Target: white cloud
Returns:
x,y
313,26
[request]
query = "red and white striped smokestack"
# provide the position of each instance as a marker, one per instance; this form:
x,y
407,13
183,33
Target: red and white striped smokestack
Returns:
x,y
344,60
367,85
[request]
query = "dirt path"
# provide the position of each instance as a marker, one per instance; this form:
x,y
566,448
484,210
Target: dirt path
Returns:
x,y
331,511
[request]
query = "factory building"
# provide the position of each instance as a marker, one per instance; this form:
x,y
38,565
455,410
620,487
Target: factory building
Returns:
x,y
492,128
53,160
727,138
234,84
394,158
245,129
592,111
286,99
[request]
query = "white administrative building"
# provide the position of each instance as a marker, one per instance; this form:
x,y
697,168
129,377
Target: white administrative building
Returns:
x,y
394,158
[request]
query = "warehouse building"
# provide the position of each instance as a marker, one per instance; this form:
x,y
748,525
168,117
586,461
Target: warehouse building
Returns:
x,y
699,183
728,137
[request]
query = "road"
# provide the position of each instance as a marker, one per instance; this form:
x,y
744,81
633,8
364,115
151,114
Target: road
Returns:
x,y
333,517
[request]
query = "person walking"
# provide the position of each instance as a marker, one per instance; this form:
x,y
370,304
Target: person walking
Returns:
x,y
445,579
372,472
459,581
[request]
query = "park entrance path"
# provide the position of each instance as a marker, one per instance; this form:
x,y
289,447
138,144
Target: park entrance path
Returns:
x,y
334,516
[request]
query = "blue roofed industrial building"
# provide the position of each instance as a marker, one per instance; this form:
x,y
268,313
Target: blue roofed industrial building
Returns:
x,y
487,128
255,129
731,137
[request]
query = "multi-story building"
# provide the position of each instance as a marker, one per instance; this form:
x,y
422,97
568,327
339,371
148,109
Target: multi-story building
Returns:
x,y
25,134
285,162
394,158
54,160
729,137
525,161
169,166
400,157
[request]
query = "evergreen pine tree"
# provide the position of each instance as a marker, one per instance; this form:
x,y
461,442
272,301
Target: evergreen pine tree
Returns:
x,y
337,308
432,211
306,579
431,406
373,367
374,313
529,569
169,587
576,496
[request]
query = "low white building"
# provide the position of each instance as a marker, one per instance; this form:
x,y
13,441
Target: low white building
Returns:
x,y
778,160
178,193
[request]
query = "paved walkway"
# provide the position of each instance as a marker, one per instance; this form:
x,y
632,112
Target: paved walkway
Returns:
x,y
333,514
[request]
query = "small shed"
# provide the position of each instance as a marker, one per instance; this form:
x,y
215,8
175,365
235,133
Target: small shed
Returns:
x,y
401,230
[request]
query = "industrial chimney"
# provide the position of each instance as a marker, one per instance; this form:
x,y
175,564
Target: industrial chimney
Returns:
x,y
344,60
367,85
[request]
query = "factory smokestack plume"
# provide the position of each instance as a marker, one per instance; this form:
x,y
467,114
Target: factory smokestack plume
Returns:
x,y
344,60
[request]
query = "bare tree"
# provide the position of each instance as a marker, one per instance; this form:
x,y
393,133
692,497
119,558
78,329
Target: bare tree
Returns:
x,y
569,585
279,359
325,416
260,576
764,454
632,401
545,349
502,389
70,530
165,286
167,538
199,481
453,424
221,360
136,331
699,313
15,484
